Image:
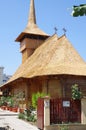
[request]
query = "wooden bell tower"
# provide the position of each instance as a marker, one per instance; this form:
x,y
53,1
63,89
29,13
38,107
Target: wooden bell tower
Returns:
x,y
32,36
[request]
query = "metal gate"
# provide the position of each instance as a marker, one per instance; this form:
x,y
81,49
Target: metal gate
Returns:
x,y
61,111
65,111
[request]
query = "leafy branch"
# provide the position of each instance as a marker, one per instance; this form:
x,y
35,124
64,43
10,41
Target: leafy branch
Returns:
x,y
79,10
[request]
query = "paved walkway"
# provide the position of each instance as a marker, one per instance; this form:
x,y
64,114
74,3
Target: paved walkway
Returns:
x,y
11,119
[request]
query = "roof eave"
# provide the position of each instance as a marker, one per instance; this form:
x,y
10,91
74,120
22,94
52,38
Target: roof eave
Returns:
x,y
21,36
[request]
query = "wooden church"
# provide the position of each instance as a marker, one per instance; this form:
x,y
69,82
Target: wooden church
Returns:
x,y
50,64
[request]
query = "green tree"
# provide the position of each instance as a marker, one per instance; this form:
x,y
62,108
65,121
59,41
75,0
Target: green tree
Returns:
x,y
79,10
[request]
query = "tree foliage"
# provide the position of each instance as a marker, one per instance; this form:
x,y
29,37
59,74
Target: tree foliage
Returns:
x,y
79,10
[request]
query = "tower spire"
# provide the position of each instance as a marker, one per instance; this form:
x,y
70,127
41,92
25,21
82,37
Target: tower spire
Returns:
x,y
31,27
32,16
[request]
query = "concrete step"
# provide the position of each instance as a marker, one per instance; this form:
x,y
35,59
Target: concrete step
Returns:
x,y
66,126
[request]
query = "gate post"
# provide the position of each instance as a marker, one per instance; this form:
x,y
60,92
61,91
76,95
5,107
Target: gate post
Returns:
x,y
46,112
83,111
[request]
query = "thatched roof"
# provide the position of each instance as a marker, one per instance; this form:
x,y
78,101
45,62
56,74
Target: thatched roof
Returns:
x,y
54,57
31,28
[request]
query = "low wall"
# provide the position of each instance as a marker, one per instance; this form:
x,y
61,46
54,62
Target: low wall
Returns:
x,y
67,127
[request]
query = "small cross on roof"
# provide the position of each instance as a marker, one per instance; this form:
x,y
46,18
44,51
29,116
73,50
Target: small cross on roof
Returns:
x,y
55,30
64,31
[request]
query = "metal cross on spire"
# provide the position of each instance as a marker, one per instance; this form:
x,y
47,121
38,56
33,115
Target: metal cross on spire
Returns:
x,y
55,30
64,31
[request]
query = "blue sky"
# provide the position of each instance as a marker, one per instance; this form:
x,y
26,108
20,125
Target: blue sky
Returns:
x,y
49,14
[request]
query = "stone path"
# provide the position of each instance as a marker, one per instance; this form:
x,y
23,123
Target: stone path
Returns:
x,y
11,119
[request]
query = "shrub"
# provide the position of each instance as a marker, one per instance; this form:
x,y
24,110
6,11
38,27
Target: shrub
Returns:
x,y
63,127
76,93
27,115
10,101
31,118
3,101
21,116
35,97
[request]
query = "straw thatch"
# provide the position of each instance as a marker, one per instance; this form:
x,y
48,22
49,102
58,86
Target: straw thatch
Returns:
x,y
55,56
31,30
